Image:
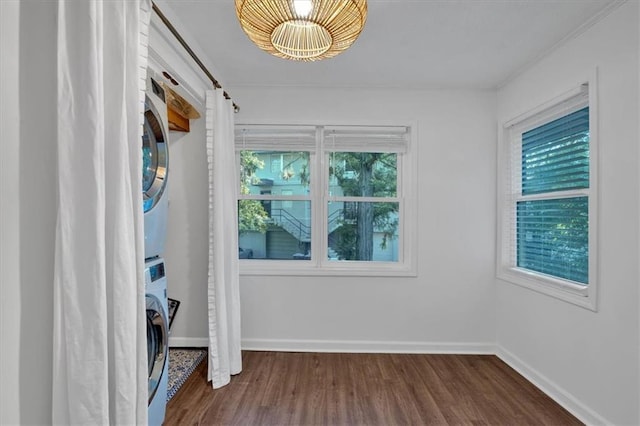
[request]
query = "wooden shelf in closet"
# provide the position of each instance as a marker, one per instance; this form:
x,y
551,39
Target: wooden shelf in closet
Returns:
x,y
179,110
177,122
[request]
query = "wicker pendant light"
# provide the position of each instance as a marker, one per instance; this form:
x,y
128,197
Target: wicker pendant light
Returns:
x,y
302,30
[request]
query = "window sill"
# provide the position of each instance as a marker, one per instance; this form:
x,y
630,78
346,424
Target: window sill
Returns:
x,y
560,289
333,269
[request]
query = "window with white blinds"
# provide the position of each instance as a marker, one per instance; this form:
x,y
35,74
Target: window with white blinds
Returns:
x,y
548,200
325,199
555,156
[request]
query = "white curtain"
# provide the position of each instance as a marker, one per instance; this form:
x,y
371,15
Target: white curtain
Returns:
x,y
225,358
99,354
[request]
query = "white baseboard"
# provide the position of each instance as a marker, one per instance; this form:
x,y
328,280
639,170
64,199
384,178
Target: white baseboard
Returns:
x,y
346,346
548,386
188,342
364,346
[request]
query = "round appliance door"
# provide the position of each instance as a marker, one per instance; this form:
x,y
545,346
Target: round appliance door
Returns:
x,y
155,156
157,342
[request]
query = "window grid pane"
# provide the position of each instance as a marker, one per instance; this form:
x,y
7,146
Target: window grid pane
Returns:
x,y
553,237
363,174
555,156
363,231
273,221
274,229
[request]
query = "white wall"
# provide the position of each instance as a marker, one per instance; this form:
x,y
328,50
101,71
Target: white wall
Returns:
x,y
28,211
450,304
587,360
186,249
187,234
9,214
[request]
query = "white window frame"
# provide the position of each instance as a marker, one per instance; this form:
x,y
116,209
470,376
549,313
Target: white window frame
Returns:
x,y
509,193
320,265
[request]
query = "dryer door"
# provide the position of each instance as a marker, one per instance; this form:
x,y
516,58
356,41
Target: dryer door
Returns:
x,y
157,342
155,158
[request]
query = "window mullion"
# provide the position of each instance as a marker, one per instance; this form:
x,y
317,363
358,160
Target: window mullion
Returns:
x,y
365,199
319,190
554,195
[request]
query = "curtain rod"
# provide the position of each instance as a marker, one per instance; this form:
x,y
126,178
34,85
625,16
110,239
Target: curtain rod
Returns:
x,y
191,53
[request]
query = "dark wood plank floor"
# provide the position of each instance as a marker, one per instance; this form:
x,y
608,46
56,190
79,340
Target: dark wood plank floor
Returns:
x,y
277,388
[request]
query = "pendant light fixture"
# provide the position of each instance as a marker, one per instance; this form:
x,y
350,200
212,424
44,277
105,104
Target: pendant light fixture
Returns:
x,y
302,30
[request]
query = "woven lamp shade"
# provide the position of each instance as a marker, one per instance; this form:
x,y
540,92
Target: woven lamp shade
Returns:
x,y
282,29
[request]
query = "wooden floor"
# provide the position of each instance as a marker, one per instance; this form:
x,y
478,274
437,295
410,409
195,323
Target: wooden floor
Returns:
x,y
278,388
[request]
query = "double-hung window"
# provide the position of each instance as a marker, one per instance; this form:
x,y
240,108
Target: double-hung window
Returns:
x,y
548,199
325,200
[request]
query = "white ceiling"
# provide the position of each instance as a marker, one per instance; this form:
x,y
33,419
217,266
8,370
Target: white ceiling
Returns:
x,y
405,43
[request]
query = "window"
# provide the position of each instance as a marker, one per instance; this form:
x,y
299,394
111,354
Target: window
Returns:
x,y
548,199
325,199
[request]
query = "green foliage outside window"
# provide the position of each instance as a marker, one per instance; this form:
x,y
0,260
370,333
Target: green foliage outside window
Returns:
x,y
364,174
251,214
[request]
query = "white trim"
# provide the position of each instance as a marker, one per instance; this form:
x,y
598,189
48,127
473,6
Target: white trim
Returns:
x,y
638,234
552,389
594,195
308,268
274,197
188,342
556,195
367,346
352,199
550,287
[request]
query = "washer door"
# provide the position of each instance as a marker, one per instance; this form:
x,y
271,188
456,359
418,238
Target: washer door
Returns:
x,y
155,158
157,342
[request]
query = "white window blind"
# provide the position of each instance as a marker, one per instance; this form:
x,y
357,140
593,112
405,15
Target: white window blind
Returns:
x,y
369,139
275,138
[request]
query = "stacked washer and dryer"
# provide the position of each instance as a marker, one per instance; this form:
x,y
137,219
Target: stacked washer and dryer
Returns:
x,y
155,168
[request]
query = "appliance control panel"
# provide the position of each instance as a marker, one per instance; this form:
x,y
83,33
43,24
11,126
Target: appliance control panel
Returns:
x,y
156,271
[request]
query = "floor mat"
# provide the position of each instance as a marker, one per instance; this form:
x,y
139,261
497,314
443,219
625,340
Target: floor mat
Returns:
x,y
182,362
